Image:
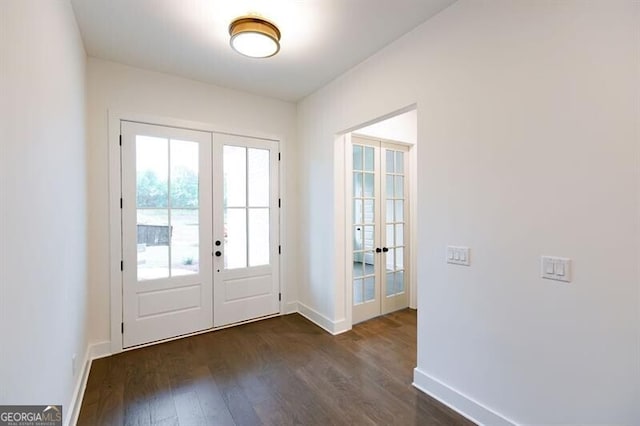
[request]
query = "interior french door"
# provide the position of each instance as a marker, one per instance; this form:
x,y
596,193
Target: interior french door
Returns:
x,y
166,232
199,231
246,229
379,228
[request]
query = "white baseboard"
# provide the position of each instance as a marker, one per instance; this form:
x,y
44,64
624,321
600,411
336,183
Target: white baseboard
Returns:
x,y
78,391
332,327
290,308
458,402
100,350
94,351
341,326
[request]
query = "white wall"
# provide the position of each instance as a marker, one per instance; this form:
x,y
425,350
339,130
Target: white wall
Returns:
x,y
529,145
402,127
125,89
43,257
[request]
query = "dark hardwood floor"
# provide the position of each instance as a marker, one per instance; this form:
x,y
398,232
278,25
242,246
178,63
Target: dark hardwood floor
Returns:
x,y
280,371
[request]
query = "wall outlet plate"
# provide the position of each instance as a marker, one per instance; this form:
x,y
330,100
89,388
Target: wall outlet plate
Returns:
x,y
74,365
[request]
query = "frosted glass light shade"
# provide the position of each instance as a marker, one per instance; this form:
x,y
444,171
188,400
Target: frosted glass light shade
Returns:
x,y
254,37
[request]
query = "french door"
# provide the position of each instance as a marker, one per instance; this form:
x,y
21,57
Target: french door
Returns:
x,y
199,231
379,228
166,232
246,229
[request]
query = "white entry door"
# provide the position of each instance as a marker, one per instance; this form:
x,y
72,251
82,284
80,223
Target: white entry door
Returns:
x,y
166,232
379,228
246,219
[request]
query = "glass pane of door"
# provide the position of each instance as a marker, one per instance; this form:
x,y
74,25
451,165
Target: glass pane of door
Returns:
x,y
364,228
395,196
246,207
235,206
167,205
184,207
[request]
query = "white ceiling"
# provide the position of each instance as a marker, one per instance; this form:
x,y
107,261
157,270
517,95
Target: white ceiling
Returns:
x,y
321,39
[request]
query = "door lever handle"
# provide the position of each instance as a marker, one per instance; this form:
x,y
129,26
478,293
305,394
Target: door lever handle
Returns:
x,y
384,249
378,250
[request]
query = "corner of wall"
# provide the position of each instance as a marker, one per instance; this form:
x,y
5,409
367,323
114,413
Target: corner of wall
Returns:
x,y
330,326
94,351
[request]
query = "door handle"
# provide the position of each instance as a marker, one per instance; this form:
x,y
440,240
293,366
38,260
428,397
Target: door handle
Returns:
x,y
384,249
378,250
218,242
218,253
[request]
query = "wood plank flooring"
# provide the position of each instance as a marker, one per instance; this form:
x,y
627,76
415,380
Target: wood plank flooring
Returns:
x,y
280,371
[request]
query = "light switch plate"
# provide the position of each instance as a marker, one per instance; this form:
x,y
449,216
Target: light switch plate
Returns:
x,y
458,255
555,268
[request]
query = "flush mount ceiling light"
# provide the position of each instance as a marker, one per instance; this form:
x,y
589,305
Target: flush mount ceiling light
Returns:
x,y
254,37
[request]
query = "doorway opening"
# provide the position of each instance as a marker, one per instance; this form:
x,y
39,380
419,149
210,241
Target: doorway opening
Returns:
x,y
380,215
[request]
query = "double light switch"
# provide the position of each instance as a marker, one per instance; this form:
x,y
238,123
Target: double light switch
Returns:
x,y
556,268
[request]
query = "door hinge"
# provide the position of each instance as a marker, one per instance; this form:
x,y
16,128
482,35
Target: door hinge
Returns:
x,y
120,140
122,265
280,297
279,202
279,249
120,202
279,157
122,327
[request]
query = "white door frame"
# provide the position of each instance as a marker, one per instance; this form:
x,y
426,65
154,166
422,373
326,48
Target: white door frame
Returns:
x,y
115,225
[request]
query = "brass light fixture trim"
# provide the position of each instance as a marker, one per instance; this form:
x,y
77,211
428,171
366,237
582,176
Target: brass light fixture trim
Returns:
x,y
253,26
